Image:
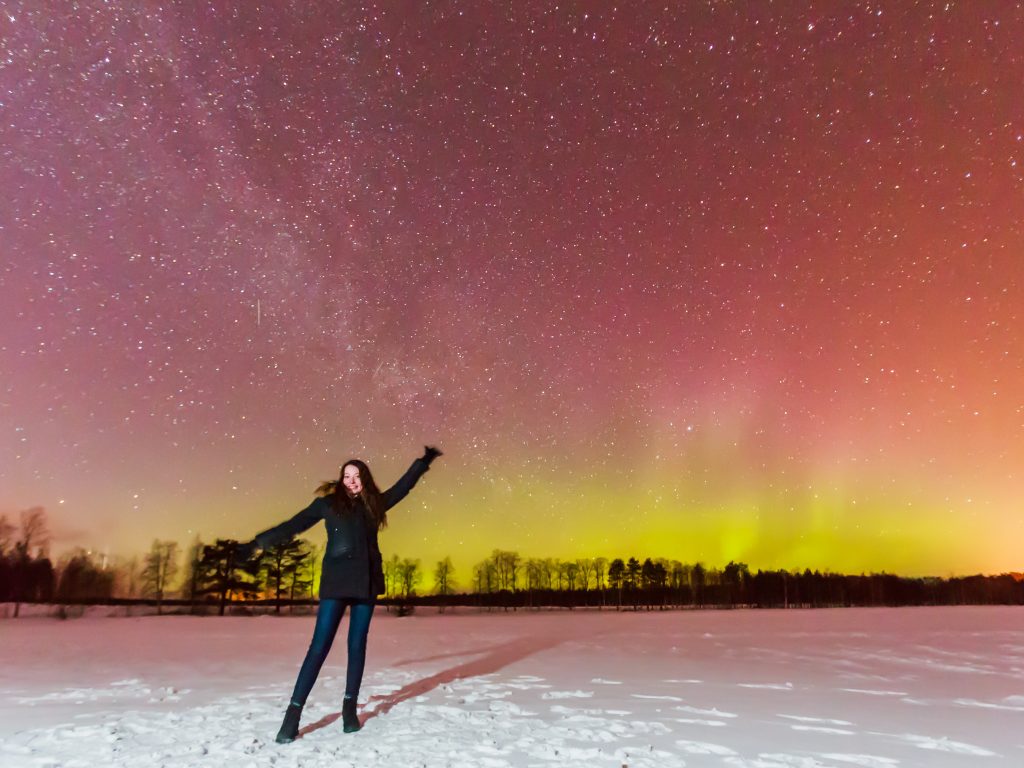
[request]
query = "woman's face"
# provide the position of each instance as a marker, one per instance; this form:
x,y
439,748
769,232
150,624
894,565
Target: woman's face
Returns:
x,y
351,480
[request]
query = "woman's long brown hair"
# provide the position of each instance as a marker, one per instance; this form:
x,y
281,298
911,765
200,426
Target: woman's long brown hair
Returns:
x,y
371,496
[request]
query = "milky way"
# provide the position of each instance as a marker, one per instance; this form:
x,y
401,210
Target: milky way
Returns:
x,y
704,281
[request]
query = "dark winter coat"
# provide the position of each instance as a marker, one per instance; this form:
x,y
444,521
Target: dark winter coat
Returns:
x,y
353,566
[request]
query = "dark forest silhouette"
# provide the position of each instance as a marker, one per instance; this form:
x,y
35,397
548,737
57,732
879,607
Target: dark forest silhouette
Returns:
x,y
215,578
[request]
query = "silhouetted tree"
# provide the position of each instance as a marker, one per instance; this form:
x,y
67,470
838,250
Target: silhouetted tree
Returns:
x,y
549,572
127,577
35,532
225,576
191,585
585,568
484,576
652,577
32,579
647,573
29,579
82,579
391,566
6,559
735,577
538,578
558,574
600,569
698,579
535,574
506,569
6,535
632,578
298,570
409,576
617,578
444,579
572,573
6,577
280,564
159,567
678,581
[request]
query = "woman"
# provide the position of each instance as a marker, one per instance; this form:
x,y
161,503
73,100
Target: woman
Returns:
x,y
354,510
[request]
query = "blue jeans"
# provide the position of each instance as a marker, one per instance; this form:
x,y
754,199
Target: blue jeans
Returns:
x,y
328,617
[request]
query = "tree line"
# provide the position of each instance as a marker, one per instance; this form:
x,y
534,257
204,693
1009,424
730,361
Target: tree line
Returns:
x,y
507,580
215,576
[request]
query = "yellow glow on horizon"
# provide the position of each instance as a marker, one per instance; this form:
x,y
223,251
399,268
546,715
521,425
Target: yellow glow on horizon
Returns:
x,y
554,515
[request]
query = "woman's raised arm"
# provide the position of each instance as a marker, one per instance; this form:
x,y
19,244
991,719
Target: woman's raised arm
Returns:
x,y
401,489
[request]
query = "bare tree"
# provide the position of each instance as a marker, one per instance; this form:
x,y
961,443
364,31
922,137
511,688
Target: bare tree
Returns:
x,y
128,575
551,570
600,569
698,580
535,572
159,567
506,568
585,566
191,584
484,576
82,578
632,576
617,579
34,530
391,567
678,579
6,534
557,570
444,577
409,576
572,572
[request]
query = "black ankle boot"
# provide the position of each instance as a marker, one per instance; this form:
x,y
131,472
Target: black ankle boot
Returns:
x,y
348,716
290,727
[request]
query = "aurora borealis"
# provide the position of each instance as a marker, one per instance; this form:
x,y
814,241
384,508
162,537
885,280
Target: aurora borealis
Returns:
x,y
706,281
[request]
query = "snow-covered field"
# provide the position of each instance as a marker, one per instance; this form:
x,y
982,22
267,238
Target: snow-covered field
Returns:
x,y
880,688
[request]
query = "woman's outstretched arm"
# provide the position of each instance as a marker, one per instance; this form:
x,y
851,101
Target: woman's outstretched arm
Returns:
x,y
401,489
287,530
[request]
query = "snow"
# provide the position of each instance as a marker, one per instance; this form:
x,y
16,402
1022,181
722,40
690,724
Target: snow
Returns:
x,y
876,688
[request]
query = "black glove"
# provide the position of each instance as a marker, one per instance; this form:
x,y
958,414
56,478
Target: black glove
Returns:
x,y
429,454
245,551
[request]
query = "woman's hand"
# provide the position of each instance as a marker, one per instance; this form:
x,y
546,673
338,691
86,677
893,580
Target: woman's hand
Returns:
x,y
430,453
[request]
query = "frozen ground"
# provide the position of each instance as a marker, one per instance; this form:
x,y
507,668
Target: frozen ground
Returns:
x,y
875,688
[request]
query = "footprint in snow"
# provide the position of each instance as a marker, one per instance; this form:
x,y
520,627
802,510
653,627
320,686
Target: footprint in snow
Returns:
x,y
777,760
768,686
991,704
865,761
703,748
710,712
823,729
942,744
697,721
825,720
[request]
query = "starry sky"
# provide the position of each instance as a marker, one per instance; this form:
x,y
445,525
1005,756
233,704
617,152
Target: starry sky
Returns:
x,y
705,281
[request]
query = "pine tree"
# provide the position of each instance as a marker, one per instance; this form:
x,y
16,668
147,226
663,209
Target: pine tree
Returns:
x,y
224,575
